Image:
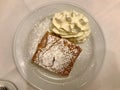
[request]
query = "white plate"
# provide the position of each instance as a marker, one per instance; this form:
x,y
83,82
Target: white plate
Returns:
x,y
31,30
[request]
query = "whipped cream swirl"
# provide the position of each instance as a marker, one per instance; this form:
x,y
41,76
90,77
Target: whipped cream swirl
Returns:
x,y
71,25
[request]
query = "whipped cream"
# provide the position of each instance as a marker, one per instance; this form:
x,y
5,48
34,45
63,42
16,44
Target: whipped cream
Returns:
x,y
71,25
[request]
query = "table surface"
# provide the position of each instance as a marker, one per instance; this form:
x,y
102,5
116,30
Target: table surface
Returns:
x,y
106,13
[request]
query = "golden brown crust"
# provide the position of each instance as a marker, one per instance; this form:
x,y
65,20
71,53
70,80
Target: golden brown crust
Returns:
x,y
48,44
43,43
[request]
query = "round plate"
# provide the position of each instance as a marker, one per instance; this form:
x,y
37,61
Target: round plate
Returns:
x,y
7,85
31,30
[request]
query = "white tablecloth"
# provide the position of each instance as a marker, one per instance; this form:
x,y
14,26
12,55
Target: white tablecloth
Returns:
x,y
107,14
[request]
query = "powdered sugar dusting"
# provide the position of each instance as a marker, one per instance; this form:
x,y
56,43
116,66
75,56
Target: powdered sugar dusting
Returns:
x,y
50,42
57,57
36,35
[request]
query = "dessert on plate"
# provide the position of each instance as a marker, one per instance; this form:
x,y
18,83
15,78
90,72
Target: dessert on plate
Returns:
x,y
56,54
57,51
